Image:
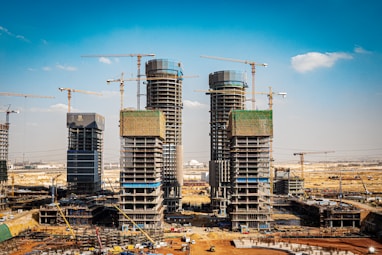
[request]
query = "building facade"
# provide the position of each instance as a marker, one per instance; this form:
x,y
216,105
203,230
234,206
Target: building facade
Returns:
x,y
227,92
142,137
85,151
164,93
250,133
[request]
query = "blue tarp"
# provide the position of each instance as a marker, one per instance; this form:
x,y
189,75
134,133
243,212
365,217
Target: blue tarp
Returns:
x,y
141,185
252,180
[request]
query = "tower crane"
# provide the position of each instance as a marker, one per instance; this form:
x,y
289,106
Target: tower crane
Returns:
x,y
23,95
121,86
139,57
11,94
253,65
231,91
77,90
302,154
8,111
122,82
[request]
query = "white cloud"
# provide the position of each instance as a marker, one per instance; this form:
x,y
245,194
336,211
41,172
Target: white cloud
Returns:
x,y
193,104
312,60
66,68
47,68
31,69
6,31
360,50
110,94
58,108
52,108
104,60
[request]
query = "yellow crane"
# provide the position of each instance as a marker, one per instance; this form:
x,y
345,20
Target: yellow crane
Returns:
x,y
241,92
139,57
10,94
66,221
79,91
121,86
135,224
302,155
253,65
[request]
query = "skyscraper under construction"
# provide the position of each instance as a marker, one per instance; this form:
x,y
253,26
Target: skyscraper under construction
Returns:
x,y
4,132
227,92
84,154
164,93
249,133
142,135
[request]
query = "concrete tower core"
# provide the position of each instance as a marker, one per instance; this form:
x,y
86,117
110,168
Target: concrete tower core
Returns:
x,y
227,93
164,93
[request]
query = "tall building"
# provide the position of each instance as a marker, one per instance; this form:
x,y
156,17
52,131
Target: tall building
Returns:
x,y
4,128
250,133
164,93
142,135
4,132
227,93
84,155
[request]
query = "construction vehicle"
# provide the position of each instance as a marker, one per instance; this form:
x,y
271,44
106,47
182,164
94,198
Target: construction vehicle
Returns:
x,y
77,90
253,71
302,154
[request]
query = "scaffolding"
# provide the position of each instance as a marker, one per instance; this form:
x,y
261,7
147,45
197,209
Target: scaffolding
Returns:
x,y
227,94
164,93
250,133
141,197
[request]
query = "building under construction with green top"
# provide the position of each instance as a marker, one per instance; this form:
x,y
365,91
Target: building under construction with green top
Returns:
x,y
249,133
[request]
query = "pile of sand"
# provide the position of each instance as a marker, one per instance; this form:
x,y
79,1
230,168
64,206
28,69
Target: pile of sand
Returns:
x,y
195,236
213,235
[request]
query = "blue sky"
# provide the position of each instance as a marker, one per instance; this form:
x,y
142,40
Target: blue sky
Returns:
x,y
326,55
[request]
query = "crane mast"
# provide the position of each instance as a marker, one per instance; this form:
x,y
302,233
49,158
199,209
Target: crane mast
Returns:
x,y
79,91
302,154
121,87
139,57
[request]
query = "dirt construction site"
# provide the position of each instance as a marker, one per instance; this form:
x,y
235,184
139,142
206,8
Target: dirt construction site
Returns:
x,y
356,179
